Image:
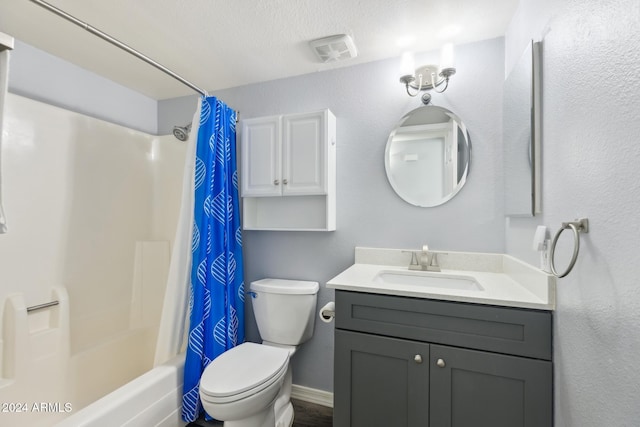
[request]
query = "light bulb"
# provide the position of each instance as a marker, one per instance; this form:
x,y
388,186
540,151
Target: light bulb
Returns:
x,y
447,57
407,65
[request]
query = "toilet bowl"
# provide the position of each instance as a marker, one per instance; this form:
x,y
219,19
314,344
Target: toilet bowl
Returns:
x,y
242,386
250,385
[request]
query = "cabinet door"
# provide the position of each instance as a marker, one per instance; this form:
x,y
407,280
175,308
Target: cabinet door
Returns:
x,y
261,157
380,381
472,388
304,159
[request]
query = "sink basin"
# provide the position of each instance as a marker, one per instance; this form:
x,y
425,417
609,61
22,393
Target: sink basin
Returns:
x,y
428,279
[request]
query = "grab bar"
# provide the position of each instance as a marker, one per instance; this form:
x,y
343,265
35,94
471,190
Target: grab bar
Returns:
x,y
578,226
41,306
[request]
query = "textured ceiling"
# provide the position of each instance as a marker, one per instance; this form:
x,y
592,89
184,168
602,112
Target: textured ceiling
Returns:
x,y
217,44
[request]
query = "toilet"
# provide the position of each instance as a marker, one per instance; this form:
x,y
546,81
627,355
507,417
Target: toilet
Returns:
x,y
250,385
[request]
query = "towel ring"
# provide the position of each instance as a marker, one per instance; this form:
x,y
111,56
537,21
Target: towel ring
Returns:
x,y
578,226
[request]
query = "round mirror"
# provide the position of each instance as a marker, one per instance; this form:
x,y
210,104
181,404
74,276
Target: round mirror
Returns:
x,y
427,156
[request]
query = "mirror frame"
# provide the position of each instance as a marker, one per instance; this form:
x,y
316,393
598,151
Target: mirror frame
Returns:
x,y
460,178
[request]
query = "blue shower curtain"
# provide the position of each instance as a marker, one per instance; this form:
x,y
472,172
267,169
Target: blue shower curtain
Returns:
x,y
216,305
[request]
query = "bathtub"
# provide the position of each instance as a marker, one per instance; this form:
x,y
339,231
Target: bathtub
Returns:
x,y
46,380
154,399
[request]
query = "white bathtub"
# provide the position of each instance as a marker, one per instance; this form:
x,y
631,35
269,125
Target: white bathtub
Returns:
x,y
44,382
151,400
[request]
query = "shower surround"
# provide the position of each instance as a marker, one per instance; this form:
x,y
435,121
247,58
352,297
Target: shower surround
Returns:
x,y
91,213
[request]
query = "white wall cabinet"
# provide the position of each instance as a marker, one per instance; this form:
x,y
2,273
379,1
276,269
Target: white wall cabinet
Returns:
x,y
288,167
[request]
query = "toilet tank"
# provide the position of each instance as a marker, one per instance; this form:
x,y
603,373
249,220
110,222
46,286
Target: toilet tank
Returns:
x,y
285,310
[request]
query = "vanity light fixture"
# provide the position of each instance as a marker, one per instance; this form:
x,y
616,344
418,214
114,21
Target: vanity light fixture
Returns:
x,y
426,77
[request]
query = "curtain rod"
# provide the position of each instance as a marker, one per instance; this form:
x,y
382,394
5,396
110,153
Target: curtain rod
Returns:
x,y
118,43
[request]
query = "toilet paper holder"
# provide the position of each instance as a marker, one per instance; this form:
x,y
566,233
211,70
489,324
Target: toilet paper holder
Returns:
x,y
328,312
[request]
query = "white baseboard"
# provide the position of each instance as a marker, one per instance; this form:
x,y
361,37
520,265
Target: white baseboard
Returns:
x,y
313,395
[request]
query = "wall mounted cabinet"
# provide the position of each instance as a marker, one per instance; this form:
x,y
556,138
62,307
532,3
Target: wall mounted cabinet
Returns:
x,y
288,170
415,362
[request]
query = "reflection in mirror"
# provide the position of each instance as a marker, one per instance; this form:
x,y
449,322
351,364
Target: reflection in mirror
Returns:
x,y
521,136
427,156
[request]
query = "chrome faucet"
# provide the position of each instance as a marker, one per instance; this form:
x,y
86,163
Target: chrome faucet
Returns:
x,y
424,260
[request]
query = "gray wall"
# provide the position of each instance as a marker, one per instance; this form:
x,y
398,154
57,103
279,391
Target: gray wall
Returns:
x,y
591,151
368,101
38,75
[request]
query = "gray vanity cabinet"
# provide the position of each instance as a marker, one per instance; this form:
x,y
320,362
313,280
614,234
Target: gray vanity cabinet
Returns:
x,y
403,361
378,381
477,388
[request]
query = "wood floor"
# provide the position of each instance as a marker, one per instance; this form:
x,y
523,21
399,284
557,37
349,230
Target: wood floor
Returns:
x,y
311,415
306,415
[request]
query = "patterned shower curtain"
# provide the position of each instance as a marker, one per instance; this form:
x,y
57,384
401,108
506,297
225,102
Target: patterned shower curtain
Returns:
x,y
216,305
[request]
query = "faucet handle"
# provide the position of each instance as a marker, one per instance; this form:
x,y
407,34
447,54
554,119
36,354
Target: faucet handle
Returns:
x,y
433,264
434,260
414,264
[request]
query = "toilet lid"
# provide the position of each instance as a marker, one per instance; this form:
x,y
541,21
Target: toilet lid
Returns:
x,y
242,368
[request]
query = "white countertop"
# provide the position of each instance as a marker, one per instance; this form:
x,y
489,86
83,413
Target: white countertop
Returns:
x,y
505,280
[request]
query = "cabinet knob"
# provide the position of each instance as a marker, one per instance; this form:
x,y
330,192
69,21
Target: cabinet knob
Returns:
x,y
285,182
440,363
417,358
276,182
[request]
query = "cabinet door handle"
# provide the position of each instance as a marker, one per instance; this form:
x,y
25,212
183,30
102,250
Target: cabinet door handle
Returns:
x,y
417,358
285,182
276,182
440,363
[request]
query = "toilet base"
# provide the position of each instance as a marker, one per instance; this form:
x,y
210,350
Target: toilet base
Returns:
x,y
261,419
268,419
283,408
285,418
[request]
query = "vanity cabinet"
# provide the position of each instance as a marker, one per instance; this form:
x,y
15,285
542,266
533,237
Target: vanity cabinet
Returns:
x,y
288,172
404,361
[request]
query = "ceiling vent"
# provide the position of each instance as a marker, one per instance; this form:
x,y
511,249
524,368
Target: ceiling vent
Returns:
x,y
334,48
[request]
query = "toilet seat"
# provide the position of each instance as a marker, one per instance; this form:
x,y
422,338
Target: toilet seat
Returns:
x,y
243,371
